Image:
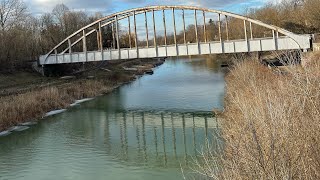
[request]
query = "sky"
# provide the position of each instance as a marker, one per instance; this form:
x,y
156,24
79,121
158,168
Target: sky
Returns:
x,y
107,7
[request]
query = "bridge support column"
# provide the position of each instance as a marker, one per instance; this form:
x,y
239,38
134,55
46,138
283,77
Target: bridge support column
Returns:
x,y
100,41
204,27
275,35
118,37
42,70
83,67
165,30
84,44
196,30
135,33
129,31
220,33
184,32
175,31
227,27
146,26
155,34
251,32
256,56
246,35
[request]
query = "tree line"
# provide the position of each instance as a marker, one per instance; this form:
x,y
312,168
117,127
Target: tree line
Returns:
x,y
298,16
23,37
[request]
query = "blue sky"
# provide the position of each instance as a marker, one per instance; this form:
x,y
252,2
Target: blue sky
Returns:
x,y
109,6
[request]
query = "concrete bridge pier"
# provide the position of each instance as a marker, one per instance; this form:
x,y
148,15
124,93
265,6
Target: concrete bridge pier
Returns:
x,y
256,56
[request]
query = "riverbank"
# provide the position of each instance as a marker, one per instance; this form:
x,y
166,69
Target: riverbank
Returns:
x,y
271,123
28,97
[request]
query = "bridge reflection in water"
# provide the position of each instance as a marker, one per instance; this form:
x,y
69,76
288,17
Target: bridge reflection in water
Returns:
x,y
158,138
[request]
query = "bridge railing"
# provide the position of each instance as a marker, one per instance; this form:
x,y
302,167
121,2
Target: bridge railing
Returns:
x,y
219,23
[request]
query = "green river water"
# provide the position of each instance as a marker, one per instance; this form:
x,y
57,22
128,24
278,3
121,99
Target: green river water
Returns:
x,y
148,129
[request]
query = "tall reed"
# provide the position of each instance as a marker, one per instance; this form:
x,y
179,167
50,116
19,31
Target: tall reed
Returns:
x,y
271,123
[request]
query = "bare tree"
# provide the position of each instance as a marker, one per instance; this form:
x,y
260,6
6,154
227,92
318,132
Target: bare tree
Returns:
x,y
12,12
312,12
59,11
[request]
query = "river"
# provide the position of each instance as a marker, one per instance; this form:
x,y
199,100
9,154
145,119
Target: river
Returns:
x,y
148,129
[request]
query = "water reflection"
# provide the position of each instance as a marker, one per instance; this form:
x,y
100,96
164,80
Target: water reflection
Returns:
x,y
145,130
132,138
153,138
180,85
210,63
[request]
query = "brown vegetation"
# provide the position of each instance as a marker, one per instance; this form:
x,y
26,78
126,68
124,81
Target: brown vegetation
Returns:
x,y
270,124
28,100
25,37
299,16
34,104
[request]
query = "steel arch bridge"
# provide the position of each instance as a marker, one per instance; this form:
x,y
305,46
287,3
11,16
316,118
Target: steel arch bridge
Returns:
x,y
279,39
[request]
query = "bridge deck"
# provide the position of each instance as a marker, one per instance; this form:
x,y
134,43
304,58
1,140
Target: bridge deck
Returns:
x,y
236,46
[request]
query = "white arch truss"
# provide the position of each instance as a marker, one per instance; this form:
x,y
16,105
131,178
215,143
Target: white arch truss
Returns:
x,y
287,42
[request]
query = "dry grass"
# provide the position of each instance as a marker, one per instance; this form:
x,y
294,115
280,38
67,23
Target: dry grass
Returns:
x,y
34,104
271,124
